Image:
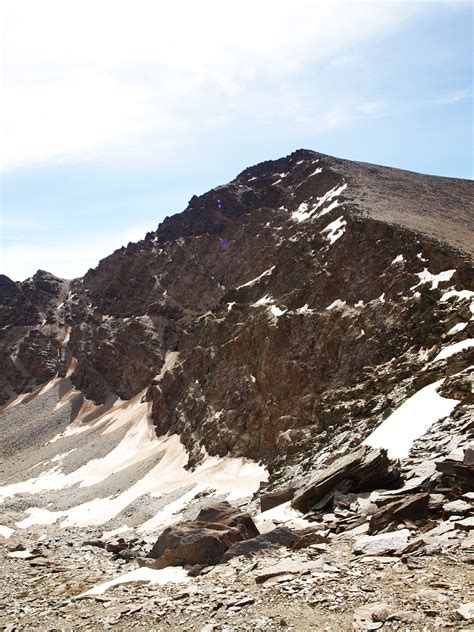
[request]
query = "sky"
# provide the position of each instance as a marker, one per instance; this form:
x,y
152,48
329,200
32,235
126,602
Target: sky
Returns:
x,y
114,113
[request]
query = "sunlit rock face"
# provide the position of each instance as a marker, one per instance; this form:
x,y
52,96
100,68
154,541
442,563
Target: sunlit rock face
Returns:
x,y
294,308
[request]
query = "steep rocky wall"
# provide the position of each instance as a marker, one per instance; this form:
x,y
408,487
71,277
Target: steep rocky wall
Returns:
x,y
305,295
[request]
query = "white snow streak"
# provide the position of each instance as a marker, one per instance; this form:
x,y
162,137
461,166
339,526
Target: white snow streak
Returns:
x,y
169,575
257,279
302,213
335,229
411,420
398,259
336,304
457,347
426,276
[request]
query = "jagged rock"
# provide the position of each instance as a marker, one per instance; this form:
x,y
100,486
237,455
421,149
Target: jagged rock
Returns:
x,y
414,508
278,537
458,471
467,524
382,544
366,616
363,470
289,567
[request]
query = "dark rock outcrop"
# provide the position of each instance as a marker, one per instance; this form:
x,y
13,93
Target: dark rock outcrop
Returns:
x,y
363,470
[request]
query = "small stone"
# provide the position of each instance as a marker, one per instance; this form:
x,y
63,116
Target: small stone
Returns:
x,y
466,611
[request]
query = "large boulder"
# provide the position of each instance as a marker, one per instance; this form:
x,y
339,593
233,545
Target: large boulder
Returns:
x,y
224,513
363,470
192,542
278,537
205,540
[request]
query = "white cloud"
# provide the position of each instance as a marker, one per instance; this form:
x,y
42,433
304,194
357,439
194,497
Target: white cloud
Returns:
x,y
69,257
84,78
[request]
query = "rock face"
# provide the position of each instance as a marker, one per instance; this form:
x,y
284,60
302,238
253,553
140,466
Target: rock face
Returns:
x,y
303,300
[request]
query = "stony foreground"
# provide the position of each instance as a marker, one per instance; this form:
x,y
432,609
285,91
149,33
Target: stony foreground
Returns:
x,y
324,587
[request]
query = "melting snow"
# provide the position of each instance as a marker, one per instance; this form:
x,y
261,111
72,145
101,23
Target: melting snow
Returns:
x,y
276,311
337,303
435,279
315,172
411,420
335,229
171,574
302,213
257,279
457,347
231,477
398,259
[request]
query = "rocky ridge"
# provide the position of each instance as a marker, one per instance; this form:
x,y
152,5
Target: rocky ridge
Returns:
x,y
283,317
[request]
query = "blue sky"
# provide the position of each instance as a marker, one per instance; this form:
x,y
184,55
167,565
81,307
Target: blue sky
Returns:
x,y
116,112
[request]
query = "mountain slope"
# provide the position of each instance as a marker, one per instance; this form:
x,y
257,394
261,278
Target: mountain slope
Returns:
x,y
304,298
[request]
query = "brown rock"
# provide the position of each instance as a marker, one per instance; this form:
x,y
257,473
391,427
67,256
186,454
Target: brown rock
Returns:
x,y
276,497
224,513
192,542
414,507
278,537
363,470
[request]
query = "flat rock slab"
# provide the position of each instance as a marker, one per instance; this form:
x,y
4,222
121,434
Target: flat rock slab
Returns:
x,y
466,525
381,544
457,507
289,567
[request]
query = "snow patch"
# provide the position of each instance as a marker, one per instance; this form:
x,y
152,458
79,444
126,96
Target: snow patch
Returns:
x,y
457,347
276,311
335,229
456,328
282,514
398,259
256,279
6,532
411,420
336,304
265,300
304,310
302,213
426,276
169,575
